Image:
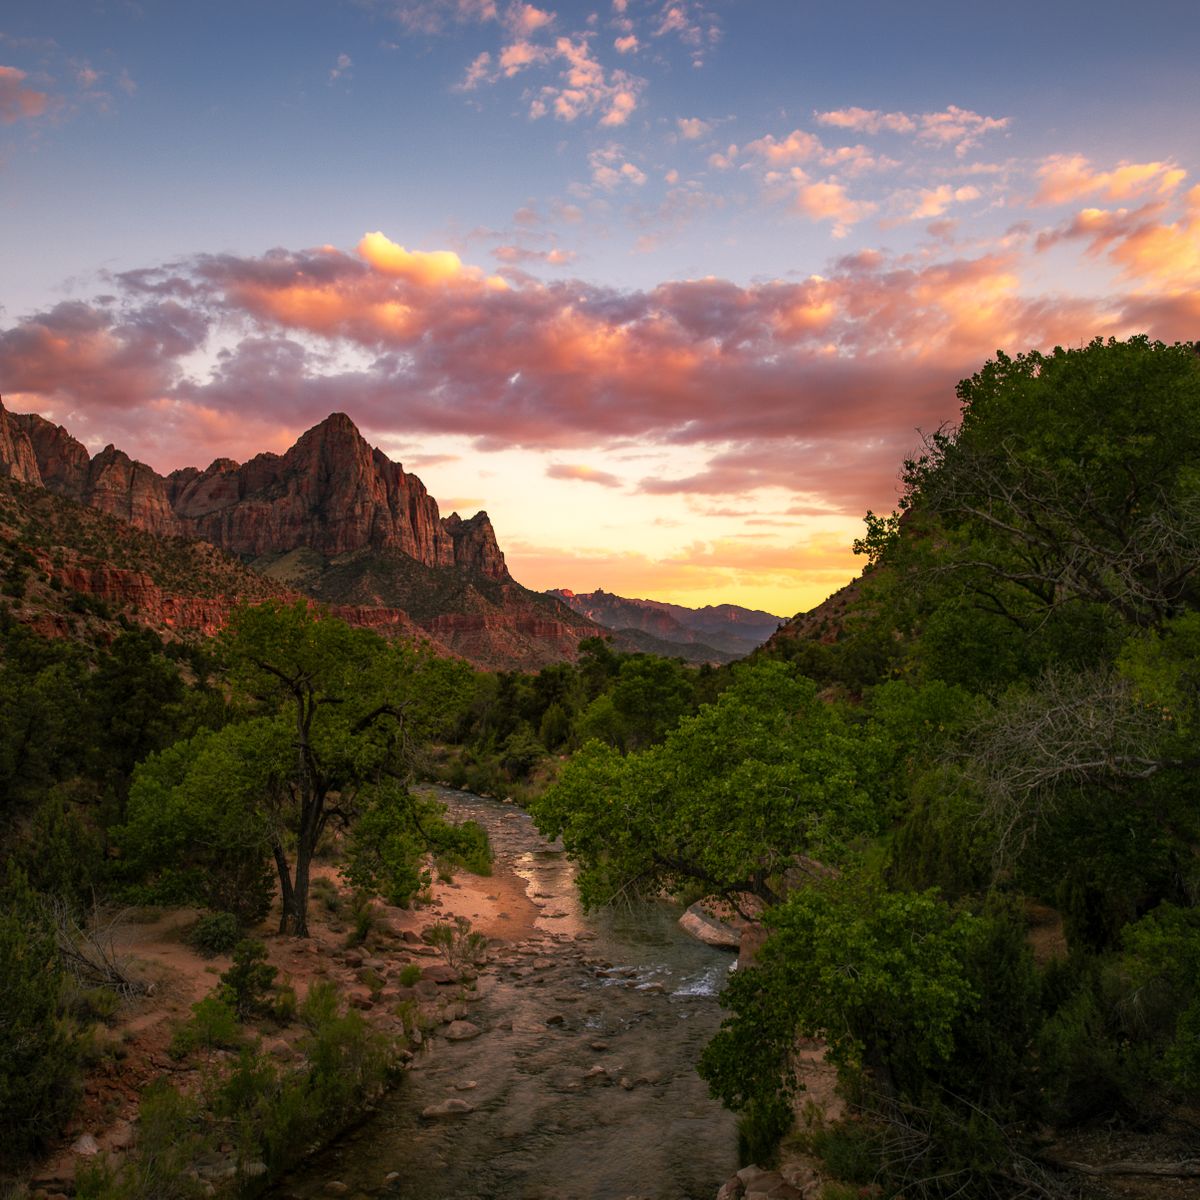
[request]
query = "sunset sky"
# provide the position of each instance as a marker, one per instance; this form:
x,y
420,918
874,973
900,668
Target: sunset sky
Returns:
x,y
667,287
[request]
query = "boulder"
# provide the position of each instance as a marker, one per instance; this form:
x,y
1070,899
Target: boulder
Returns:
x,y
461,1031
705,928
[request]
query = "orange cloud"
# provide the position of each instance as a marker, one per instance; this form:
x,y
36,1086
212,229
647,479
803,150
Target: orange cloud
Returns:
x,y
797,147
582,474
418,266
1069,177
828,201
1140,242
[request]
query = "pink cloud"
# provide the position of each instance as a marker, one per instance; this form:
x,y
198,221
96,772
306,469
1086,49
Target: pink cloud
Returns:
x,y
951,126
799,146
828,200
813,385
18,102
1141,242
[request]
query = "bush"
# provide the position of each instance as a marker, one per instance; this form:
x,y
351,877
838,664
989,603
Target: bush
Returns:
x,y
170,1139
366,920
213,1026
409,974
244,987
321,1004
460,946
214,933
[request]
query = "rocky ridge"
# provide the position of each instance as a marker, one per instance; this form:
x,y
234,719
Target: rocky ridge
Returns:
x,y
332,518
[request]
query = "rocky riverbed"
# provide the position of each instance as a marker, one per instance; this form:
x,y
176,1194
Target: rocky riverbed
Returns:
x,y
569,1070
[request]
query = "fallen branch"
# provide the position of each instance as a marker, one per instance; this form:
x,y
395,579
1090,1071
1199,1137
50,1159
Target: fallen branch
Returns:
x,y
1188,1168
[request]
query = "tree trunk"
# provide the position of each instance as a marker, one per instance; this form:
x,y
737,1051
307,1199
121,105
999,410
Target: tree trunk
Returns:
x,y
287,895
300,889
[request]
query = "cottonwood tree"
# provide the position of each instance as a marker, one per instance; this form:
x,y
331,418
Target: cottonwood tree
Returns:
x,y
732,798
335,721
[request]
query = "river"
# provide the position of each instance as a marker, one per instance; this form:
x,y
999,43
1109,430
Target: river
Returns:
x,y
582,1083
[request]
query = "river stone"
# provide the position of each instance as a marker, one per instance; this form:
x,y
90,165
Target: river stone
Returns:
x,y
447,1108
461,1031
709,930
439,973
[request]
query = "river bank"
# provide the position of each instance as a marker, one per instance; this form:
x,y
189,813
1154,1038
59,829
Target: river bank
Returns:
x,y
525,1062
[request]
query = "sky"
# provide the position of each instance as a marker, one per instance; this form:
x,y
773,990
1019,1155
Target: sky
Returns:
x,y
669,287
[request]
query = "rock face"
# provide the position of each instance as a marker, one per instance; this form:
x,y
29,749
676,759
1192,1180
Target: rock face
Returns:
x,y
332,517
331,492
17,458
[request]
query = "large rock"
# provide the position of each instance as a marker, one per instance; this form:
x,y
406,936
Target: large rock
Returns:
x,y
461,1031
708,929
17,458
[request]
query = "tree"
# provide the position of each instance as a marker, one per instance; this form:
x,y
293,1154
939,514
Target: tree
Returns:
x,y
730,800
1072,477
335,723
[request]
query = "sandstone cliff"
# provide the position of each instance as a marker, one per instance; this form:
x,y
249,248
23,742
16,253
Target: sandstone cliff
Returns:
x,y
331,492
332,518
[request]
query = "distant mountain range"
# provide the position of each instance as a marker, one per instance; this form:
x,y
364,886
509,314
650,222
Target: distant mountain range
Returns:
x,y
714,633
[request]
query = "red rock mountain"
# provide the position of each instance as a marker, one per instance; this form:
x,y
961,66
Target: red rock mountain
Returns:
x,y
368,532
331,492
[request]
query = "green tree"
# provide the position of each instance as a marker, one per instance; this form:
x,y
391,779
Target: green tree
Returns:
x,y
40,1051
336,718
1071,478
731,799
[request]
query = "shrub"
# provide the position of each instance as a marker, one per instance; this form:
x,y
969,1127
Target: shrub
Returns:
x,y
170,1139
366,920
247,982
459,944
321,1004
409,974
213,1026
214,933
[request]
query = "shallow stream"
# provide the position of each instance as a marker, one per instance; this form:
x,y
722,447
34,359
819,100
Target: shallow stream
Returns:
x,y
583,1080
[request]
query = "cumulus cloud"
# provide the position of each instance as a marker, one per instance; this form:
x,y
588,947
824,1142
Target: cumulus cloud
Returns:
x,y
933,202
692,128
1142,242
610,169
827,200
830,374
